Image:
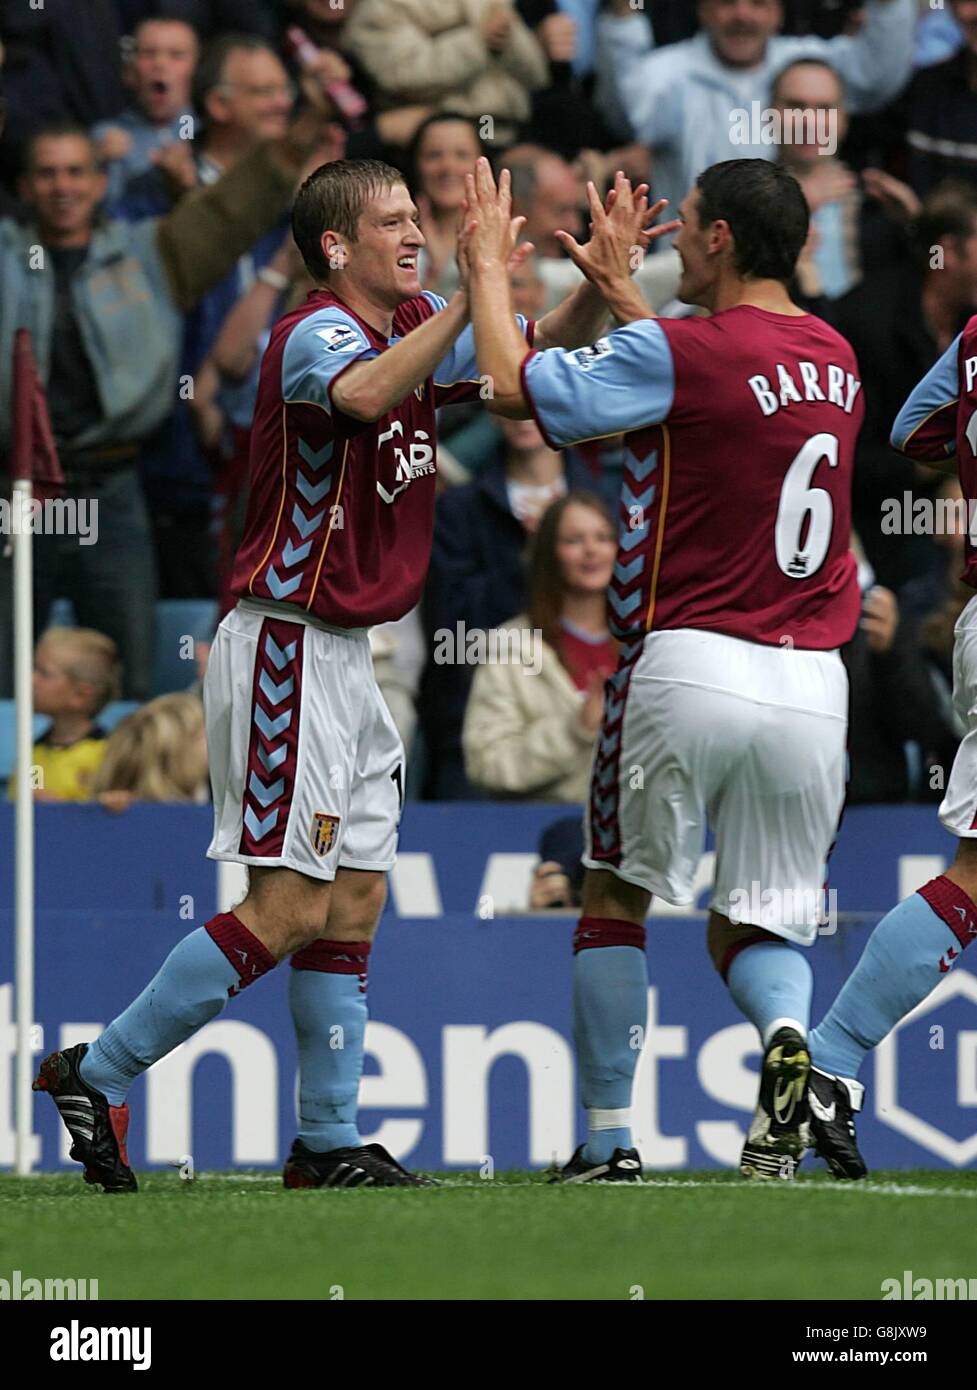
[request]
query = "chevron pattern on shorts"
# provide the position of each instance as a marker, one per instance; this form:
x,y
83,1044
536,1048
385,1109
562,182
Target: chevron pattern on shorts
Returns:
x,y
605,784
628,594
276,701
285,574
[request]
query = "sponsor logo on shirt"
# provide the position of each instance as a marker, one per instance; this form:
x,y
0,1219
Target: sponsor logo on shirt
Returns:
x,y
416,463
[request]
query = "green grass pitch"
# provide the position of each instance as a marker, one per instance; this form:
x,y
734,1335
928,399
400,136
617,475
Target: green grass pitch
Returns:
x,y
687,1236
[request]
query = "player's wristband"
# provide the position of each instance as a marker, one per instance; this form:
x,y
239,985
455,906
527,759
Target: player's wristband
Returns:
x,y
274,278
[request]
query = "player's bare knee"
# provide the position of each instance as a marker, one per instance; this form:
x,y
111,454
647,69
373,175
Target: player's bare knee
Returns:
x,y
726,939
963,870
285,910
606,895
285,934
356,906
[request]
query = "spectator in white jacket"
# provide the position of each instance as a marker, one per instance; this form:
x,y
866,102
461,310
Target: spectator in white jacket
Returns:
x,y
536,704
473,56
687,101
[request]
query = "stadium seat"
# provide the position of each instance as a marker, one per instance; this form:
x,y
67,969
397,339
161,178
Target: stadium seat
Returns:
x,y
62,614
177,619
115,712
7,735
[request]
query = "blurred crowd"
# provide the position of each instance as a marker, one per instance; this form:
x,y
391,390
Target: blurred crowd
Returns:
x,y
149,155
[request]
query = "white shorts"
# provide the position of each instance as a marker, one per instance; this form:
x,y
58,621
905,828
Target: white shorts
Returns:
x,y
958,810
306,765
699,725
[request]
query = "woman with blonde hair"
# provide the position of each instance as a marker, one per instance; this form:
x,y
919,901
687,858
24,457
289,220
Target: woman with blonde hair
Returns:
x,y
158,754
535,710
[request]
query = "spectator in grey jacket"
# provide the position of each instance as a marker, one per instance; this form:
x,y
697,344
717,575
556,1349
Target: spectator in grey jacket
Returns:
x,y
679,99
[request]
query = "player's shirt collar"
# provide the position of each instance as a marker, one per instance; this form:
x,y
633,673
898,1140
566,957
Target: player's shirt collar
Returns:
x,y
323,299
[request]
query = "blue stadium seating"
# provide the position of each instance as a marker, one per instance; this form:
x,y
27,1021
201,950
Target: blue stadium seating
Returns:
x,y
62,614
175,620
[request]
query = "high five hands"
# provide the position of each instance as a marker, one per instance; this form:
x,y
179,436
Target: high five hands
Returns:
x,y
621,229
494,233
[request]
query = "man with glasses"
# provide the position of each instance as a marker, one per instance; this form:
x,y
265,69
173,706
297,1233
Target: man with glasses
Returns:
x,y
243,93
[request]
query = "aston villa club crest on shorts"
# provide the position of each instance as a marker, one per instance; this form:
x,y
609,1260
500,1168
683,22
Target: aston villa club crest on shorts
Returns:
x,y
323,832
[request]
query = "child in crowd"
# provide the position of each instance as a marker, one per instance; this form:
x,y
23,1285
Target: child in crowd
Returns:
x,y
158,754
76,673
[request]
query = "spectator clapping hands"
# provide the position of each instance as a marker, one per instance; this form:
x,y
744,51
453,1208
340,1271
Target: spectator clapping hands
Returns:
x,y
550,887
497,25
880,619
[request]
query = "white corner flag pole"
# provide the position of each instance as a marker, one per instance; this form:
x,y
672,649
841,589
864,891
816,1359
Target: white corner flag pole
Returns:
x,y
21,535
22,538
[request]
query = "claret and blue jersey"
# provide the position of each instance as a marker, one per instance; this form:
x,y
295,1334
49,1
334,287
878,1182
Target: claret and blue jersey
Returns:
x,y
939,420
341,512
735,510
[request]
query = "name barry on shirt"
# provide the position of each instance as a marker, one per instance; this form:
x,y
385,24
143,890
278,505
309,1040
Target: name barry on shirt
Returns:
x,y
805,381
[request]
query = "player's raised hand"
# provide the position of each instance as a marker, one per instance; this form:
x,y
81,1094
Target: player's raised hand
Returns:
x,y
620,232
645,218
606,257
491,232
519,253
